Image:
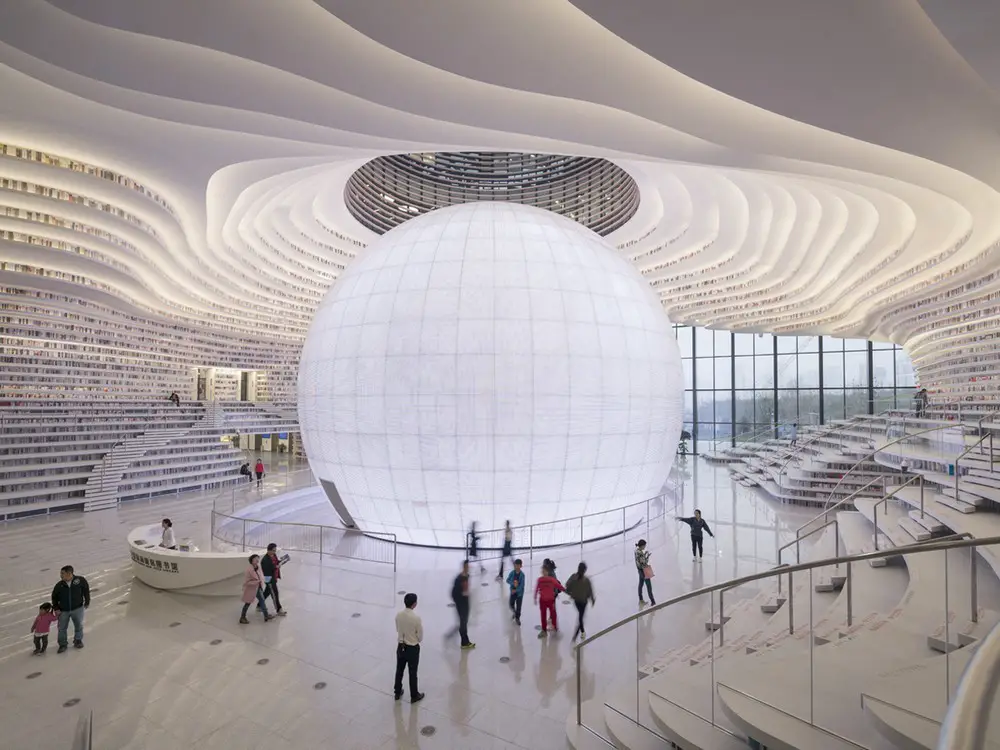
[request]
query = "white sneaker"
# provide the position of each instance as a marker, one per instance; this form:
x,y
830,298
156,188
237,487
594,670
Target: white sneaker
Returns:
x,y
694,559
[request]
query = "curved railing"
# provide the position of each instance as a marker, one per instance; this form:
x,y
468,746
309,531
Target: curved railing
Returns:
x,y
809,441
750,435
968,719
980,676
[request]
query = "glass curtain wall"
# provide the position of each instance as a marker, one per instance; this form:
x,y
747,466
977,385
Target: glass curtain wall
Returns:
x,y
745,385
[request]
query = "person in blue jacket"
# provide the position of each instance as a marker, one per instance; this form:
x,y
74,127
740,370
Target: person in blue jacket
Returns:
x,y
515,579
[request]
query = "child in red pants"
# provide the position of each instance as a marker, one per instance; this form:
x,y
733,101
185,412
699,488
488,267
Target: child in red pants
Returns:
x,y
546,589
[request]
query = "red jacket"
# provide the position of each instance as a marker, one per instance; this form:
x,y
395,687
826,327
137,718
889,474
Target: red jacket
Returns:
x,y
547,587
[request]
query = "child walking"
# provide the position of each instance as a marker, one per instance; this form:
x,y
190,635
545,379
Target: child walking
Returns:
x,y
546,589
515,579
40,627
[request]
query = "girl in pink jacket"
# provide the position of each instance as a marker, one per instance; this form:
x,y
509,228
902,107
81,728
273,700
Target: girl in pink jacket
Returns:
x,y
253,588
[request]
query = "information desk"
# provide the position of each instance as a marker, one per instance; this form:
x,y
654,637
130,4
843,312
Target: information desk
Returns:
x,y
194,571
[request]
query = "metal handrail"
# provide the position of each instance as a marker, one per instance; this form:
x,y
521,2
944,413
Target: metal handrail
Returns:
x,y
753,433
379,536
83,737
919,548
871,456
810,441
968,719
832,508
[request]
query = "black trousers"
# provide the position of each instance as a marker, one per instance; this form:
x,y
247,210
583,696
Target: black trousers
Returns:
x,y
41,642
463,623
407,657
271,589
515,605
696,550
504,554
581,607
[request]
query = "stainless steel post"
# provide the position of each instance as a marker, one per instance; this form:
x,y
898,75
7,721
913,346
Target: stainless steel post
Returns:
x,y
836,541
711,606
974,584
957,497
722,618
244,535
394,548
624,528
791,608
947,634
875,522
531,541
321,535
850,596
579,689
581,531
812,645
647,516
922,496
991,453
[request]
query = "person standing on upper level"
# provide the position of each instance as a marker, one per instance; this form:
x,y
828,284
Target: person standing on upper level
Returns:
x,y
698,525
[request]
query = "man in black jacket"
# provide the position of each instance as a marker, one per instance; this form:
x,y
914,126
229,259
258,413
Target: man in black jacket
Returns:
x,y
71,596
270,567
460,596
698,525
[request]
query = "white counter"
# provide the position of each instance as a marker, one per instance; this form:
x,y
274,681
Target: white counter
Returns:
x,y
196,572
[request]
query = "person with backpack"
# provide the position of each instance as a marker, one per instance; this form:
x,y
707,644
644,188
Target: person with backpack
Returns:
x,y
515,580
473,547
698,525
581,591
645,571
460,597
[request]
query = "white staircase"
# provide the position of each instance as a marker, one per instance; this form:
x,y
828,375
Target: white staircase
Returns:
x,y
101,490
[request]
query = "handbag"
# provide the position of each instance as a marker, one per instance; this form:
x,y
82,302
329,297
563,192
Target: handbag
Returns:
x,y
647,572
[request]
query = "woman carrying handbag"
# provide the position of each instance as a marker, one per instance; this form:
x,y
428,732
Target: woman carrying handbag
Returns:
x,y
645,571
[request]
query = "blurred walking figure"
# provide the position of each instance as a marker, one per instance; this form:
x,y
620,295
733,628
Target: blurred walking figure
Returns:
x,y
515,579
581,591
546,588
460,596
473,547
508,547
645,571
698,525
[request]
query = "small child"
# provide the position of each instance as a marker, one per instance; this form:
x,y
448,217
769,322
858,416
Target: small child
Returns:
x,y
546,589
40,627
515,579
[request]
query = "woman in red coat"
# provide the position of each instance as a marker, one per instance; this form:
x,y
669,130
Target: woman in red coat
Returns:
x,y
258,469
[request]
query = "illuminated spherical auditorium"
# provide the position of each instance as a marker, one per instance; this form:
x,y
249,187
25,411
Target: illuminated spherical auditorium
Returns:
x,y
255,267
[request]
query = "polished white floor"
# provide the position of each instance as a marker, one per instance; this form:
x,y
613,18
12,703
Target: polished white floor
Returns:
x,y
164,670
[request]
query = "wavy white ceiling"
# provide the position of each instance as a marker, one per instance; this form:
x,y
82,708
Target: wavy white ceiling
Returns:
x,y
805,167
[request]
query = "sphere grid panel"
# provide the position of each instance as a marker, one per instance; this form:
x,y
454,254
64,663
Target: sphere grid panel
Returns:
x,y
486,362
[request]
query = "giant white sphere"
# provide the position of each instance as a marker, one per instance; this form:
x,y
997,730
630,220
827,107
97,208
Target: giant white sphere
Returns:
x,y
485,362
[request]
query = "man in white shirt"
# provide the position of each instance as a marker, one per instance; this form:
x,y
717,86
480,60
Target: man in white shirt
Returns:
x,y
409,633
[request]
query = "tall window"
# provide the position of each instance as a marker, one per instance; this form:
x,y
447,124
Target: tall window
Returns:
x,y
744,386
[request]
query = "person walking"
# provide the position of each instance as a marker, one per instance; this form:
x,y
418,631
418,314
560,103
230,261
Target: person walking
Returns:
x,y
581,590
460,597
409,633
645,571
258,469
546,588
40,628
793,434
698,525
508,549
270,567
70,598
253,588
473,547
515,580
167,540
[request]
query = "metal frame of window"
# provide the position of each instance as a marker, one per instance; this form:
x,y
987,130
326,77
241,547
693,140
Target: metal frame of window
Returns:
x,y
900,391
